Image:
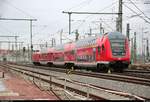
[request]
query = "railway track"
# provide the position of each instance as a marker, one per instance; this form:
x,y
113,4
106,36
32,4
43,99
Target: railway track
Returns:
x,y
128,79
137,73
96,91
115,76
123,95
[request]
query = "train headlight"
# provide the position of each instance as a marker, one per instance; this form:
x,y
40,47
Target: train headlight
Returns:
x,y
114,53
123,53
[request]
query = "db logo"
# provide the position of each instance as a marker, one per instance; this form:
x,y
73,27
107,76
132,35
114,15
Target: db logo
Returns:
x,y
119,58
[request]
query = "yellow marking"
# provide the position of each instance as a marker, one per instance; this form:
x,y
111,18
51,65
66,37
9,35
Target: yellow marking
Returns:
x,y
109,71
90,46
70,70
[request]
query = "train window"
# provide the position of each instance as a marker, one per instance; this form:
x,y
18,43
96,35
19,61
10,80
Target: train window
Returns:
x,y
99,49
118,47
103,48
72,52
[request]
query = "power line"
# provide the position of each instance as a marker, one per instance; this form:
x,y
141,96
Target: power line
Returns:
x,y
106,24
136,13
98,11
89,15
5,29
79,5
9,3
139,9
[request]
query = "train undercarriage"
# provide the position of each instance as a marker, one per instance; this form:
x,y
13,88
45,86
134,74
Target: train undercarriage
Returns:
x,y
116,66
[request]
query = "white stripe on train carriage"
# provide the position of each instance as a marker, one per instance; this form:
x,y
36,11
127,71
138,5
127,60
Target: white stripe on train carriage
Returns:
x,y
85,63
58,63
43,62
104,62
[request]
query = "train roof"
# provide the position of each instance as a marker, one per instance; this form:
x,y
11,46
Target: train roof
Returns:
x,y
69,46
50,49
36,52
115,35
59,47
87,41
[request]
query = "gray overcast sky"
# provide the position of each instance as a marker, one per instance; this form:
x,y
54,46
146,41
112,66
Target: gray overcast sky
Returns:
x,y
50,19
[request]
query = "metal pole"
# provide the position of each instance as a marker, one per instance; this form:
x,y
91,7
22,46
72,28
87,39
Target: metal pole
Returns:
x,y
31,39
95,13
46,44
16,47
147,50
134,47
9,45
28,52
120,16
77,35
103,30
132,51
90,32
142,45
61,36
144,53
100,28
52,42
69,23
128,31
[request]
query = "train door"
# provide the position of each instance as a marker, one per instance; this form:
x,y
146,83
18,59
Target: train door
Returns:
x,y
94,54
98,53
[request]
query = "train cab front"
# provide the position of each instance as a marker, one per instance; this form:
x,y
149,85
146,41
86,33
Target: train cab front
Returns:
x,y
119,55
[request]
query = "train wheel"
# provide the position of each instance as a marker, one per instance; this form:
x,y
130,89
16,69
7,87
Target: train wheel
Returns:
x,y
98,68
49,64
101,68
119,70
105,70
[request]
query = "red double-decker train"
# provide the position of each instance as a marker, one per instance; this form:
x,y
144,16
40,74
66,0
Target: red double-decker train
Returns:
x,y
111,51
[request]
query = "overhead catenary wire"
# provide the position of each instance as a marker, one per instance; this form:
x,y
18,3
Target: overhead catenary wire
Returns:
x,y
139,9
136,13
6,29
98,11
106,24
79,5
22,11
83,2
92,15
88,15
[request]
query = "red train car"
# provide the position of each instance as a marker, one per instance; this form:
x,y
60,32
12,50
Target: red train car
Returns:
x,y
58,55
36,58
69,55
109,51
45,57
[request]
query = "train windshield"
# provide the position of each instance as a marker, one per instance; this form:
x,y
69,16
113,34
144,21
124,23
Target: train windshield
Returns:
x,y
117,41
118,47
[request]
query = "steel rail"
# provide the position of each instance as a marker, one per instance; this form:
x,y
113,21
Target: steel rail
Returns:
x,y
21,70
123,78
91,86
